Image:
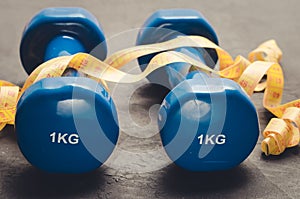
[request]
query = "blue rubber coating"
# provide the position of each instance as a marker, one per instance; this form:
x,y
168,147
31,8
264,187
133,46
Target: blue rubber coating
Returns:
x,y
177,72
54,112
63,45
71,72
77,23
208,124
168,24
197,75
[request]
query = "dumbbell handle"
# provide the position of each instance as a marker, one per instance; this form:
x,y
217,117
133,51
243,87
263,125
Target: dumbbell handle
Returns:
x,y
177,72
63,45
166,25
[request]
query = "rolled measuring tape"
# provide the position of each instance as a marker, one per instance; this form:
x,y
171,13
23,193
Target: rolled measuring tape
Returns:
x,y
263,60
65,124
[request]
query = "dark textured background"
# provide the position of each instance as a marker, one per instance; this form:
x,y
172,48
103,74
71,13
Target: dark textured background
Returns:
x,y
241,26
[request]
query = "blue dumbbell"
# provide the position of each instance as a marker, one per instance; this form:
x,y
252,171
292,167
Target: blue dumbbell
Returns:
x,y
206,124
67,124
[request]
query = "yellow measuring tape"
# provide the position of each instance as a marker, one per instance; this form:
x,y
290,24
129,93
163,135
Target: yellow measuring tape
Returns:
x,y
279,134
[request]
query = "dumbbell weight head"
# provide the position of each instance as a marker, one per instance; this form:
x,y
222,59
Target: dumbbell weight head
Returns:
x,y
75,28
66,125
208,124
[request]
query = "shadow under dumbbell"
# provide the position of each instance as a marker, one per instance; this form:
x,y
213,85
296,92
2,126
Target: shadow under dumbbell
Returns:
x,y
32,183
150,92
9,134
177,181
143,98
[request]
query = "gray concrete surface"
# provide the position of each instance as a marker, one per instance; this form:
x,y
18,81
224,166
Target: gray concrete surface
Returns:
x,y
134,171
